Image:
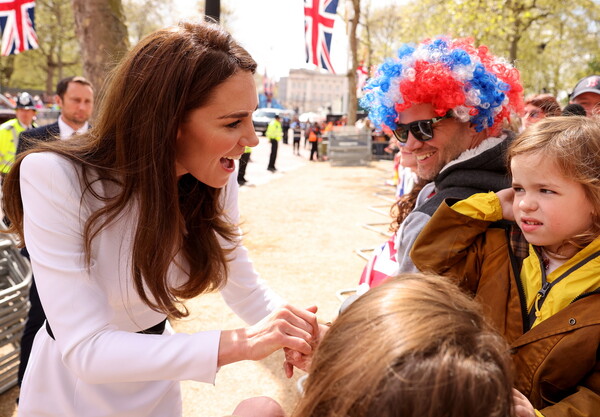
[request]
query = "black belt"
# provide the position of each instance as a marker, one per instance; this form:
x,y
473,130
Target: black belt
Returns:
x,y
156,329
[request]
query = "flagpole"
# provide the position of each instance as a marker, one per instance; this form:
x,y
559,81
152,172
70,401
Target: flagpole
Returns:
x,y
213,9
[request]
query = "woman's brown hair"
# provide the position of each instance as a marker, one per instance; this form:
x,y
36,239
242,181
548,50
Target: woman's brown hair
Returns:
x,y
545,102
405,204
415,346
573,144
150,93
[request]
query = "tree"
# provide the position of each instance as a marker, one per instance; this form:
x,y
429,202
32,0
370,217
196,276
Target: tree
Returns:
x,y
553,43
57,44
379,34
145,16
58,53
102,34
352,99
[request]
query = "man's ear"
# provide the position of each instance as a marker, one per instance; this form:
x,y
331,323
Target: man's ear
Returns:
x,y
58,100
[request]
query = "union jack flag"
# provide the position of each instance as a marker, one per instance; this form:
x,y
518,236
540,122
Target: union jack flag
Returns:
x,y
319,17
17,26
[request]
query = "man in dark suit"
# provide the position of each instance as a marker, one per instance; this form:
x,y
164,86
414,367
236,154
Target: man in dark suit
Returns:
x,y
75,97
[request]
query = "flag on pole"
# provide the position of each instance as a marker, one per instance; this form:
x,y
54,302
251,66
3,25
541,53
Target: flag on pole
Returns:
x,y
17,26
319,17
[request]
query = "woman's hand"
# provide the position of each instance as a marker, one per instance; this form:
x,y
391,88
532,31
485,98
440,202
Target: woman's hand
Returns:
x,y
296,359
521,405
287,327
506,197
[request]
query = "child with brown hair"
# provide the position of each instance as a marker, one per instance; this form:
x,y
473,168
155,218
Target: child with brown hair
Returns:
x,y
414,346
531,257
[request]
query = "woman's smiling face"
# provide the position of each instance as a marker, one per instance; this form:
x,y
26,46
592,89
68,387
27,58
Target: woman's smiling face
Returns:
x,y
214,135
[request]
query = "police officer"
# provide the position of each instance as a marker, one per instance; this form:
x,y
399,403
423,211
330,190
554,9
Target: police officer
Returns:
x,y
10,130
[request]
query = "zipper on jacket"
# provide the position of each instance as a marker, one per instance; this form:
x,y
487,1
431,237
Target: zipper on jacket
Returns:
x,y
517,275
585,294
547,286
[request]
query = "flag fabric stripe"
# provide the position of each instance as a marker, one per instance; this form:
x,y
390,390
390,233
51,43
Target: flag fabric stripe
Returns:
x,y
319,17
17,25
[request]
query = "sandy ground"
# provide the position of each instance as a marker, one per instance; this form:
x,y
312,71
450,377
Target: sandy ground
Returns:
x,y
302,226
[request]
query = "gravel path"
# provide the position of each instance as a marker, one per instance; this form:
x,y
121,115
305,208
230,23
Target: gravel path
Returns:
x,y
301,227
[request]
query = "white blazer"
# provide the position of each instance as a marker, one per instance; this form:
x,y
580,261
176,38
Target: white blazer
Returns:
x,y
98,365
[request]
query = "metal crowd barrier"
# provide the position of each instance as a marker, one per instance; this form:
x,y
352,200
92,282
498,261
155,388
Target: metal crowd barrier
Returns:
x,y
349,146
15,280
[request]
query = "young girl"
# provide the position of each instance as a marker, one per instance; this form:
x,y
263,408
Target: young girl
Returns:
x,y
539,283
412,347
127,221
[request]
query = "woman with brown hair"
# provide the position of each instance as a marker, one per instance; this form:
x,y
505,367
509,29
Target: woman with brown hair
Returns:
x,y
539,106
127,221
413,346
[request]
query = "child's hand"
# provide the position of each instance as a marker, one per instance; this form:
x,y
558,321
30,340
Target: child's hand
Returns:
x,y
506,197
521,405
299,360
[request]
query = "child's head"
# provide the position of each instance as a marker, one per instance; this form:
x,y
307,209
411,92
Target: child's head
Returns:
x,y
414,346
555,165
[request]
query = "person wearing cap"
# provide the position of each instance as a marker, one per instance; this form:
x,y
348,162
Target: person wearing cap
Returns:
x,y
9,131
587,94
446,101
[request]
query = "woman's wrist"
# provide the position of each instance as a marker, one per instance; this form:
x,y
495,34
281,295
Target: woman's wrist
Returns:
x,y
232,346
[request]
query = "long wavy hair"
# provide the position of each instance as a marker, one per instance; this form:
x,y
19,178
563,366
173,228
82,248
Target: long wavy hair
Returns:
x,y
148,96
573,143
415,346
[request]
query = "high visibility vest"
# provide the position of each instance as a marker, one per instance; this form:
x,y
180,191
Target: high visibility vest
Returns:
x,y
274,130
9,140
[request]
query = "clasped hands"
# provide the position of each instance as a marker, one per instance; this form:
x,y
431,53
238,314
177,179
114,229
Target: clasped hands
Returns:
x,y
293,329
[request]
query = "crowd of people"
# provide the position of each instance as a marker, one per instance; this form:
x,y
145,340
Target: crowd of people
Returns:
x,y
483,303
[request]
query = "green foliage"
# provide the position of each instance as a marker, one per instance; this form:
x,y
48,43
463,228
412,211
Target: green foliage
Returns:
x,y
552,42
58,55
145,16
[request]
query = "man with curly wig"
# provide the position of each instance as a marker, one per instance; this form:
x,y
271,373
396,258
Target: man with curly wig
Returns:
x,y
446,101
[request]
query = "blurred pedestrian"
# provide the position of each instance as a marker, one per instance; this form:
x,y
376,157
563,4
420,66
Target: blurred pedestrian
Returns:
x,y
274,133
244,159
297,135
539,106
9,131
587,94
314,134
285,126
75,100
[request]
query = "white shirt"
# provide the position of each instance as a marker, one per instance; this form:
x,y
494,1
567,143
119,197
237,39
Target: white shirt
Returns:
x,y
67,131
98,365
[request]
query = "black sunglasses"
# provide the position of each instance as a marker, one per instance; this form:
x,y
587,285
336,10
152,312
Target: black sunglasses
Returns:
x,y
422,130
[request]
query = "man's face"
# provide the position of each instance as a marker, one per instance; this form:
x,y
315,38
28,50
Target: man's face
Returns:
x,y
25,116
450,138
590,102
76,105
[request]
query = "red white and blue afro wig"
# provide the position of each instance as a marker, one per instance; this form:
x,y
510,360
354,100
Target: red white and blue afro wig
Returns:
x,y
450,74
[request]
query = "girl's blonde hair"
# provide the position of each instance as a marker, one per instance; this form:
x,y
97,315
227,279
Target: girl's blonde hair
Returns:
x,y
414,346
573,144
